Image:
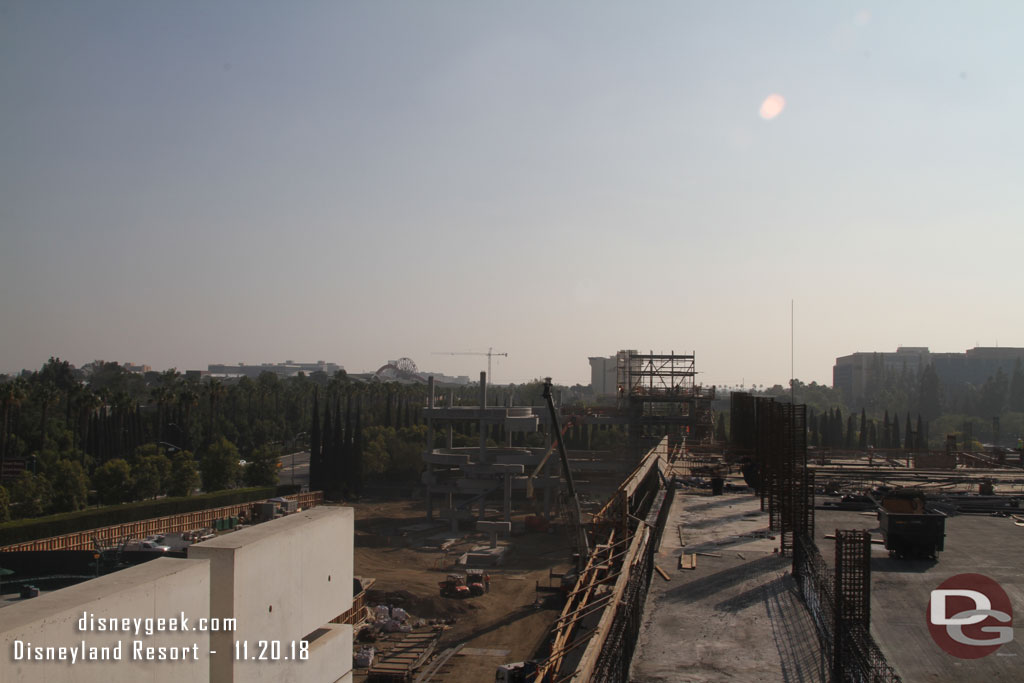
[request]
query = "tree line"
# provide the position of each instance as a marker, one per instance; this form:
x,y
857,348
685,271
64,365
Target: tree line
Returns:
x,y
72,437
102,434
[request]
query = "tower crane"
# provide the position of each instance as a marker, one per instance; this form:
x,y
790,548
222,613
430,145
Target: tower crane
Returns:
x,y
490,352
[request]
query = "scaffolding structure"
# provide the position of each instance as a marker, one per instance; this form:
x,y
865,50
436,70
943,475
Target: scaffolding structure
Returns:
x,y
661,397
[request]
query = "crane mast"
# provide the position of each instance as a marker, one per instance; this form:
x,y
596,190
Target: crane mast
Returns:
x,y
582,543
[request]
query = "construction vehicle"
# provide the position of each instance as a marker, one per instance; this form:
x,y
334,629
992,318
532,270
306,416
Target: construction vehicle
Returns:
x,y
478,581
909,529
518,672
454,587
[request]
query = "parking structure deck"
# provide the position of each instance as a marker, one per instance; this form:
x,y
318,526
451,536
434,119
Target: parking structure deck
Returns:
x,y
900,591
737,615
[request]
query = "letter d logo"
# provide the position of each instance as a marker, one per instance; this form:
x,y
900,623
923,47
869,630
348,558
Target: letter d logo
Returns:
x,y
970,616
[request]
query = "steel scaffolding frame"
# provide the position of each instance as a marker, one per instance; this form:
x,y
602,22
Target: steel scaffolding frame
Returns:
x,y
660,395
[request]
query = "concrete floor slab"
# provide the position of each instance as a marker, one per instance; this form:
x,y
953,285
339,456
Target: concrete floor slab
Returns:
x,y
737,616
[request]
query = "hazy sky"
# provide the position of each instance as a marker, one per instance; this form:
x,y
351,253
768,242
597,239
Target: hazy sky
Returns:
x,y
184,183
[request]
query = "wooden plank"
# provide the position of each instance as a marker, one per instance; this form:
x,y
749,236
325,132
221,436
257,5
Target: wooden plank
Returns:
x,y
438,663
483,652
876,541
662,572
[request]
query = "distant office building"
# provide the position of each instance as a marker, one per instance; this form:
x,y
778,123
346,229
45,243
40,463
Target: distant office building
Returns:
x,y
137,369
442,378
851,374
602,375
286,369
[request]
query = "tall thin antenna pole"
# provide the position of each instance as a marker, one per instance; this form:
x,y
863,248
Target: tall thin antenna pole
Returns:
x,y
792,355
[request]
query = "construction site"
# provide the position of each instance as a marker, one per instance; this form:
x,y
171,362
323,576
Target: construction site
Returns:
x,y
674,557
678,558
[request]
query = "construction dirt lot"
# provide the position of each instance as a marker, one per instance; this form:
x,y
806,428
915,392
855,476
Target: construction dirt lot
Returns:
x,y
396,547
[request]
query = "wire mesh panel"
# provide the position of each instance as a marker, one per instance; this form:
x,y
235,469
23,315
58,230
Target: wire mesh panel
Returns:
x,y
847,643
782,447
853,576
742,422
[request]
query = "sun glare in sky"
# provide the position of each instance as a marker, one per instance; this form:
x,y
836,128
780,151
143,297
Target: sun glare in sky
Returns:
x,y
772,106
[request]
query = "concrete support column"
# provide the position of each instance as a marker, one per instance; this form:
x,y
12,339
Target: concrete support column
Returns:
x,y
430,494
430,448
451,510
483,425
508,496
430,420
451,433
508,432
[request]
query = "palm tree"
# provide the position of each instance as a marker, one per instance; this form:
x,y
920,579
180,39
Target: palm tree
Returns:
x,y
162,395
169,378
46,395
188,398
216,391
122,403
88,403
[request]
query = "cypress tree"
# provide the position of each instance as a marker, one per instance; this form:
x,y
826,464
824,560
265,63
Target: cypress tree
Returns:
x,y
347,449
338,448
328,448
908,439
895,435
850,426
922,439
1015,402
357,451
314,441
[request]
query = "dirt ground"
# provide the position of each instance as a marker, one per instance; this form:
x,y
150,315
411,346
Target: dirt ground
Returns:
x,y
507,624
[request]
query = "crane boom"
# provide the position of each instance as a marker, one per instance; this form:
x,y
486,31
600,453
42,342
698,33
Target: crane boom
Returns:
x,y
582,543
490,352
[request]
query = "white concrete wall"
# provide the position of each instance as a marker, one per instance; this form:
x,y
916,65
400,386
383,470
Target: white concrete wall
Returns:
x,y
603,375
162,588
282,580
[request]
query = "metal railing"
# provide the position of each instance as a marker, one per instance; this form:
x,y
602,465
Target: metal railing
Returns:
x,y
110,535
